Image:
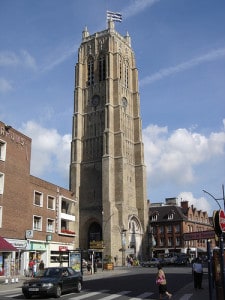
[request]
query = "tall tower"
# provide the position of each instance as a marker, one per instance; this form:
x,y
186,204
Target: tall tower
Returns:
x,y
107,171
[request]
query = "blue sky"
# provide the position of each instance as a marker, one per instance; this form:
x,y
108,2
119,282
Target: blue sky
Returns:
x,y
180,54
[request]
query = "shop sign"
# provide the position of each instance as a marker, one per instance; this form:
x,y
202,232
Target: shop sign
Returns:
x,y
38,246
63,248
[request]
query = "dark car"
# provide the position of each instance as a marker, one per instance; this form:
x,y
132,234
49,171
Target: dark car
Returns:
x,y
53,281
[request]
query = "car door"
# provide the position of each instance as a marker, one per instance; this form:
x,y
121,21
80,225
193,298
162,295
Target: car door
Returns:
x,y
66,279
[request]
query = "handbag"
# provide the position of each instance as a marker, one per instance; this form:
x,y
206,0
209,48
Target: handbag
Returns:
x,y
159,281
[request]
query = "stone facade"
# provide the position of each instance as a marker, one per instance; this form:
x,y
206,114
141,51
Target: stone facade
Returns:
x,y
107,171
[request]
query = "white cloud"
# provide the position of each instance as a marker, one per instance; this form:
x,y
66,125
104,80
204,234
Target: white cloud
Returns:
x,y
5,85
173,157
137,6
11,59
161,74
200,203
50,150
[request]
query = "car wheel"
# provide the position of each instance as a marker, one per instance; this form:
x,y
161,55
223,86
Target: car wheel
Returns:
x,y
27,295
58,291
79,287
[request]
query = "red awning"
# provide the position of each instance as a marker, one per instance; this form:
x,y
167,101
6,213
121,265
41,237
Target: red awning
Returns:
x,y
5,246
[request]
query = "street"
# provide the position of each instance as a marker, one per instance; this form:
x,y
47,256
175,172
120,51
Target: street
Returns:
x,y
133,283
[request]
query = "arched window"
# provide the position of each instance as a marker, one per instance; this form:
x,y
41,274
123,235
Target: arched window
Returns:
x,y
126,73
101,68
90,71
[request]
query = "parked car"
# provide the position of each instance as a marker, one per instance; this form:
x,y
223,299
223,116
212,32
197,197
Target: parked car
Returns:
x,y
181,260
169,260
154,262
53,281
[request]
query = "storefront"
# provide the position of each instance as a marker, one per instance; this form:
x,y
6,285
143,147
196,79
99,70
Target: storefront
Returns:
x,y
8,262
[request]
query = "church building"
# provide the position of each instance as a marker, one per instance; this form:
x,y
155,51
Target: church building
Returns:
x,y
107,171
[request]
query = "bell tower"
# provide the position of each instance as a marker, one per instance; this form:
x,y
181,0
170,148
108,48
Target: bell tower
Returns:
x,y
107,171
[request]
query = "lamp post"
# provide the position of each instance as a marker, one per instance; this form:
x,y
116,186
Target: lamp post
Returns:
x,y
123,240
221,248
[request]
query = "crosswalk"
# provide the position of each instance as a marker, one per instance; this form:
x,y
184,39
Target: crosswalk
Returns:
x,y
107,295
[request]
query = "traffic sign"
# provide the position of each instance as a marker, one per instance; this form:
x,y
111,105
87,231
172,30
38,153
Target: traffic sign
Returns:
x,y
199,235
222,220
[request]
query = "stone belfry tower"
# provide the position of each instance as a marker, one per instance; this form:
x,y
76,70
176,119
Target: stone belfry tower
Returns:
x,y
107,171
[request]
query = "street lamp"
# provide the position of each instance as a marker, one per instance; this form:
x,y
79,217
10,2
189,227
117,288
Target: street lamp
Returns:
x,y
123,240
217,199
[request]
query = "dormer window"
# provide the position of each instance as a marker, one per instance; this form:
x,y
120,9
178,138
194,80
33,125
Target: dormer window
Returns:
x,y
171,214
154,216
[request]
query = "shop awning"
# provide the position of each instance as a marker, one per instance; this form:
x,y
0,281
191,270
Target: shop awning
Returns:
x,y
5,246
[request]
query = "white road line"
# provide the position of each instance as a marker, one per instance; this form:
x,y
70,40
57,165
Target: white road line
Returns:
x,y
88,295
13,295
142,296
186,297
113,296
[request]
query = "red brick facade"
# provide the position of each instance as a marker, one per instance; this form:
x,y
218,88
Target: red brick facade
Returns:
x,y
28,203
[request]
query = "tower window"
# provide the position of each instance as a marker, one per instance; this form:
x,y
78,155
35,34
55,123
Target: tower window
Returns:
x,y
126,79
91,72
101,67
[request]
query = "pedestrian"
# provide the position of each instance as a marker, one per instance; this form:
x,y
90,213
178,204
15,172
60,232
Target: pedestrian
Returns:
x,y
34,268
161,282
197,271
41,265
30,266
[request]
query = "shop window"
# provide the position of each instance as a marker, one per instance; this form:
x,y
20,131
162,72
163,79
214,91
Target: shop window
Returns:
x,y
59,256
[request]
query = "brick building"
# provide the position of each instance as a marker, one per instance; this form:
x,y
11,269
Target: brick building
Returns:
x,y
168,223
39,218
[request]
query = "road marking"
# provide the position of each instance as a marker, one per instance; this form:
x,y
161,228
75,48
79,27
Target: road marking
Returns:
x,y
186,297
88,295
142,296
116,295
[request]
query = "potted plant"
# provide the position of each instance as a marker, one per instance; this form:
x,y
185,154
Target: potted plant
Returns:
x,y
108,263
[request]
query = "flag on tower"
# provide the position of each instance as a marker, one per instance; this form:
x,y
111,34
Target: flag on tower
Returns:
x,y
114,16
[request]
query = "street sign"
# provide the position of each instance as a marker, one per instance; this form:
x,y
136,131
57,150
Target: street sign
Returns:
x,y
199,235
222,220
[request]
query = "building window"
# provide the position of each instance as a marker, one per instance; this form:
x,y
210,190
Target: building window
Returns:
x,y
51,202
161,242
2,150
126,72
37,223
170,240
161,229
101,66
50,225
177,241
177,228
169,228
2,177
170,216
91,71
0,216
38,198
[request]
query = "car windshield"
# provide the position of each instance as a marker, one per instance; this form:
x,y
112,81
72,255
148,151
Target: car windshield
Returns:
x,y
51,272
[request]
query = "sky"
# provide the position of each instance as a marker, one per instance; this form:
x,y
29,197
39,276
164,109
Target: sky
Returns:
x,y
179,48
